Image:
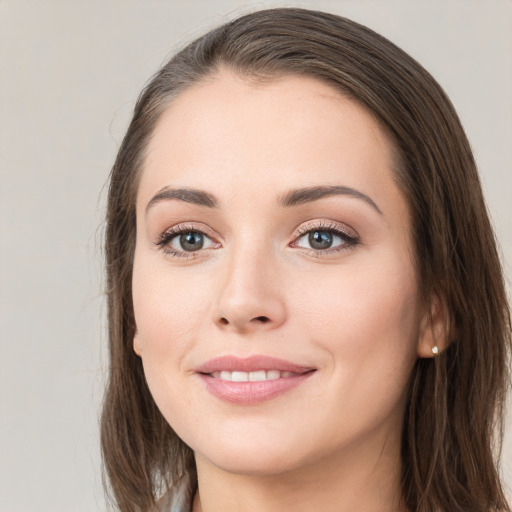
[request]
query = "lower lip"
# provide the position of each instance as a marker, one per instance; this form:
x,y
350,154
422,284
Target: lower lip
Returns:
x,y
249,393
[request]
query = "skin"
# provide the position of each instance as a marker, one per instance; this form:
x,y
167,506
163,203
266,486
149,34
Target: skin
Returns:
x,y
256,287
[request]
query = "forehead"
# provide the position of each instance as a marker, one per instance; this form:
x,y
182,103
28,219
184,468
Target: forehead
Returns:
x,y
229,134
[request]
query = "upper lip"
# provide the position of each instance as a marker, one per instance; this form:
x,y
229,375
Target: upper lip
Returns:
x,y
251,364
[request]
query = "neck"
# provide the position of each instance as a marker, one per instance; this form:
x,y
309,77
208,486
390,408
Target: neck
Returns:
x,y
358,479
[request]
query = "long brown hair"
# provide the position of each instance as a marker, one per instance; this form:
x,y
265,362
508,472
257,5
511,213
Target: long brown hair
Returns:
x,y
452,426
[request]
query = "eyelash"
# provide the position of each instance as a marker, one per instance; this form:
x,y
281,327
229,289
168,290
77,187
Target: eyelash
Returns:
x,y
349,240
169,235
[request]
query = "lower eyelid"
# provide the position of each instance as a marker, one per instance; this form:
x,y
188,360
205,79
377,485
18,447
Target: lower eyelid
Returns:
x,y
345,243
347,236
166,240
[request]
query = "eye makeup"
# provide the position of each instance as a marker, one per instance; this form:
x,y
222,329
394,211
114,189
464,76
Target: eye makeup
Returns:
x,y
186,236
325,238
315,238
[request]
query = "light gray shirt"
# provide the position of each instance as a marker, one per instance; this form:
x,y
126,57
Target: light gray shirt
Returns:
x,y
179,498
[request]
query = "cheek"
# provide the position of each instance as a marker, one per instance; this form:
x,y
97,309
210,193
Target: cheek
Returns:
x,y
367,320
169,312
167,306
367,326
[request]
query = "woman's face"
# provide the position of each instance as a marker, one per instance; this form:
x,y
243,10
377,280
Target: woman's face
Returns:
x,y
275,299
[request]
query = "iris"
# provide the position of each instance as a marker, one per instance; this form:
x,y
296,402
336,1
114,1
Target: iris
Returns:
x,y
320,239
191,241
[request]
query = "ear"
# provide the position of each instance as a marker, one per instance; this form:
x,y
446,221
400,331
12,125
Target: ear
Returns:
x,y
434,329
136,343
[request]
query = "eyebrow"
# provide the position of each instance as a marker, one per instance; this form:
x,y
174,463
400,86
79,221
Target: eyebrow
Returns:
x,y
308,194
188,195
292,198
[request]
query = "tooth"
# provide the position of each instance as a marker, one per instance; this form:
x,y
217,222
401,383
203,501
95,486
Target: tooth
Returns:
x,y
257,376
239,376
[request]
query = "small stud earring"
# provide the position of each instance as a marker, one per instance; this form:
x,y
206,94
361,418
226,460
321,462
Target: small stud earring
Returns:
x,y
435,350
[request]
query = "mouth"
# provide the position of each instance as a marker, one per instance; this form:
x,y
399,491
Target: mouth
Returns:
x,y
257,376
248,381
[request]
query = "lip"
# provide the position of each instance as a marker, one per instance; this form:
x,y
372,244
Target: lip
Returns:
x,y
251,364
250,393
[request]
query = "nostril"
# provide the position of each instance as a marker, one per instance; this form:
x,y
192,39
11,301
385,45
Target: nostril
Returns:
x,y
238,323
262,319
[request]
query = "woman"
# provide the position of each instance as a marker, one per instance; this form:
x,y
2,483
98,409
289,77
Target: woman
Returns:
x,y
306,306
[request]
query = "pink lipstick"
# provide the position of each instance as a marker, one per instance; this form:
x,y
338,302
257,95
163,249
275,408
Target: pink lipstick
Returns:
x,y
251,380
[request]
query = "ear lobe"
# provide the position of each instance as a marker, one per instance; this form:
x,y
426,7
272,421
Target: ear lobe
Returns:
x,y
136,343
434,329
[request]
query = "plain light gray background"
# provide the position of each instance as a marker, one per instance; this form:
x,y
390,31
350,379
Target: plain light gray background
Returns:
x,y
69,74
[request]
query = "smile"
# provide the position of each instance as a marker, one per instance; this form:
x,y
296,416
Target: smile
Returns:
x,y
251,380
258,376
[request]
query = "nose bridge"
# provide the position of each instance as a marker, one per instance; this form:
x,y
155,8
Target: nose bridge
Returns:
x,y
250,296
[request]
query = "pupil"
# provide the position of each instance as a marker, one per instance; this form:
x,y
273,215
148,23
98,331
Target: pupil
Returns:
x,y
320,239
191,241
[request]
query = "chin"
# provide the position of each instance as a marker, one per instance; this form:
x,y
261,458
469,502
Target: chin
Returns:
x,y
252,462
259,454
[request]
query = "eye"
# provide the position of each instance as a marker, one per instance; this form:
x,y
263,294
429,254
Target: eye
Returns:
x,y
321,239
191,241
326,239
184,241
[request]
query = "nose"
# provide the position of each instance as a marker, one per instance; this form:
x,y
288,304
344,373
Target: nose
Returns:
x,y
250,298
